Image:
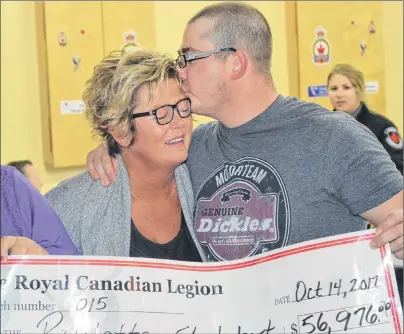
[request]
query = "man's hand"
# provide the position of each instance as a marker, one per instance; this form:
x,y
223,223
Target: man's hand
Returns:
x,y
101,166
391,231
20,246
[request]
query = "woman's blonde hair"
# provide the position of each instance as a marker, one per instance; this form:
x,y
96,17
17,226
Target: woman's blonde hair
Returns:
x,y
354,76
111,93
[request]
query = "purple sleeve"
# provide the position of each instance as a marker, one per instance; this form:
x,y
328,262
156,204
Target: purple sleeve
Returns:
x,y
45,226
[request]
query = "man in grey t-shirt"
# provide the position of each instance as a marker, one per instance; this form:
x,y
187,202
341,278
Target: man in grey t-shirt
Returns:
x,y
300,172
272,170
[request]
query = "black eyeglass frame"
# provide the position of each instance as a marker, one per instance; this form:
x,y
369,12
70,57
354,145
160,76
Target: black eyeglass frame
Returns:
x,y
199,55
173,107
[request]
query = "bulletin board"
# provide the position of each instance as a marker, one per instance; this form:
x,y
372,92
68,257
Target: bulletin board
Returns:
x,y
333,32
73,37
73,48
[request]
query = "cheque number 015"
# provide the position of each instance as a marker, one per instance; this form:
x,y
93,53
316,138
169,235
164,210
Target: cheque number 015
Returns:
x,y
91,304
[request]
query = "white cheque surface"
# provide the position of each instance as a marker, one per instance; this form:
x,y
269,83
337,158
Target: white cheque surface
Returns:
x,y
330,285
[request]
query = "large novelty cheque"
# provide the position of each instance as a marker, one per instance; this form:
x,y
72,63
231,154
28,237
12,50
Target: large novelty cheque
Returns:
x,y
330,285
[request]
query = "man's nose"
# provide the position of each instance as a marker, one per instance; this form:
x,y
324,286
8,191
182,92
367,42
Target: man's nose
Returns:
x,y
182,81
181,72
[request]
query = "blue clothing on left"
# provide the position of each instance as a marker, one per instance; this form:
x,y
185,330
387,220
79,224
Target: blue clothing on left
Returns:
x,y
26,213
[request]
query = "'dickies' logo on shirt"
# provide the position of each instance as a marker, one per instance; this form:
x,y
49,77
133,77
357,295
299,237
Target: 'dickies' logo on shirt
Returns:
x,y
242,210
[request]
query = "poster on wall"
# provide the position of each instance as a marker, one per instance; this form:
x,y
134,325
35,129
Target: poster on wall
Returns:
x,y
372,27
317,91
71,107
76,62
62,40
129,41
363,48
321,47
372,87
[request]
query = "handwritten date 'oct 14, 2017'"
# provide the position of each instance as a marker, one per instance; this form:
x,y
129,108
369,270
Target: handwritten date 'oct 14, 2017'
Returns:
x,y
304,292
337,288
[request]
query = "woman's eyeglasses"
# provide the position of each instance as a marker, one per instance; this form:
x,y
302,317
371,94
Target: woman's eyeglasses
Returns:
x,y
165,114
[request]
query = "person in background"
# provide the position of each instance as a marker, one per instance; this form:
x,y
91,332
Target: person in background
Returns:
x,y
29,171
29,226
346,89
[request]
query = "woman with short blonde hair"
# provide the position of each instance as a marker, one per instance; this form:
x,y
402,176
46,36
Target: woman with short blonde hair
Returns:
x,y
135,104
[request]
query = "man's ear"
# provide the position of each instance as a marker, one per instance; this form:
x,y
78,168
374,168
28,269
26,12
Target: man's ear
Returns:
x,y
240,64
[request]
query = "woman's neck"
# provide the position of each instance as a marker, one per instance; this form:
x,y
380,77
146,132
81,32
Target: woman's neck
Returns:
x,y
148,182
355,109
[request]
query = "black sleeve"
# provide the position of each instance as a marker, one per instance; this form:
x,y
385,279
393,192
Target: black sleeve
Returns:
x,y
393,143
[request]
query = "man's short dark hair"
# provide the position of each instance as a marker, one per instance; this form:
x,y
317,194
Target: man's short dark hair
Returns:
x,y
240,25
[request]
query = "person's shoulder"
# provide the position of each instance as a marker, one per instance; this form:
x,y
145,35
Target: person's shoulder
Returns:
x,y
323,125
291,103
77,181
9,173
385,130
205,129
13,178
296,109
314,114
76,187
182,168
13,184
8,170
182,174
83,188
381,120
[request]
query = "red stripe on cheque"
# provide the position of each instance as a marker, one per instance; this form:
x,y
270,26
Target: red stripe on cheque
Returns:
x,y
188,267
390,291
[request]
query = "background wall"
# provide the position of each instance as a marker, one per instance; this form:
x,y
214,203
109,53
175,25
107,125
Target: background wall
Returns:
x,y
20,108
21,136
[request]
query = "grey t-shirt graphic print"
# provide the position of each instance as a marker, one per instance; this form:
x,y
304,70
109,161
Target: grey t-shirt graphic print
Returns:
x,y
242,210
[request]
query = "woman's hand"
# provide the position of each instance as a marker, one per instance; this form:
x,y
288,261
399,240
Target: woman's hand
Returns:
x,y
20,246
